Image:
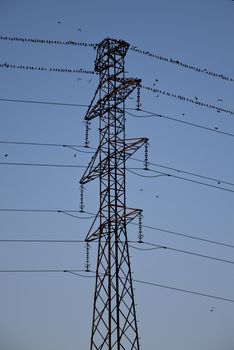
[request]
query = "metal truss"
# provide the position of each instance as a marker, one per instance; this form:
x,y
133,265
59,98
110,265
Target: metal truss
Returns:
x,y
114,324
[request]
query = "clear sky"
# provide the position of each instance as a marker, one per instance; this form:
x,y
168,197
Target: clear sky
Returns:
x,y
48,311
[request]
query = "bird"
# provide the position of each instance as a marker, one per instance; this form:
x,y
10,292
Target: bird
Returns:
x,y
59,22
183,113
196,98
220,99
157,196
74,155
216,128
6,155
212,309
141,189
156,95
79,29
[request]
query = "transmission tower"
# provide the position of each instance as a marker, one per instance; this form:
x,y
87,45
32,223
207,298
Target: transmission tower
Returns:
x,y
114,325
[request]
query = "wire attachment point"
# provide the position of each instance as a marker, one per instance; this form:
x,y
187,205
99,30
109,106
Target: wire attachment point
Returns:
x,y
87,129
146,155
87,262
138,103
82,198
140,234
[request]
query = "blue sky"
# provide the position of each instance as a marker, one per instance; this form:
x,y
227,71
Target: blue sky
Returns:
x,y
53,310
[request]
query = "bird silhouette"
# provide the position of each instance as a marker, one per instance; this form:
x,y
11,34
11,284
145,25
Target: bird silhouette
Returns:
x,y
6,155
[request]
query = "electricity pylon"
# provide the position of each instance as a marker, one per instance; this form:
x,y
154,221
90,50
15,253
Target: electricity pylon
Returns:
x,y
114,325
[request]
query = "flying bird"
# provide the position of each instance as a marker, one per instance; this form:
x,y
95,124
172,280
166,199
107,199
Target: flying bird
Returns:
x,y
6,155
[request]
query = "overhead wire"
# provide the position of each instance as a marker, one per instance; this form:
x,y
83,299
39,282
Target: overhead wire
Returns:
x,y
44,102
219,181
46,41
185,235
153,245
130,169
188,99
132,48
46,69
152,114
43,165
182,64
178,177
79,273
76,148
183,251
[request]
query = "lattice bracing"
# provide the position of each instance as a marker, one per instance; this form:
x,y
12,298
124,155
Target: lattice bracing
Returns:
x,y
114,323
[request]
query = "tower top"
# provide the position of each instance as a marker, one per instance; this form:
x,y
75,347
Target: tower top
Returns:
x,y
111,48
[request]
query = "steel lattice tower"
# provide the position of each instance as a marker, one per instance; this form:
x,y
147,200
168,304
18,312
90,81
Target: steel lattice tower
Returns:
x,y
114,324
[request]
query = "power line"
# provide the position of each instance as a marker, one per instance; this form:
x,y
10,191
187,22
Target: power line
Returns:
x,y
76,148
82,166
219,181
133,48
187,99
160,173
183,251
44,102
146,226
132,223
43,165
46,41
182,64
153,284
152,114
46,69
73,147
153,245
185,235
183,290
